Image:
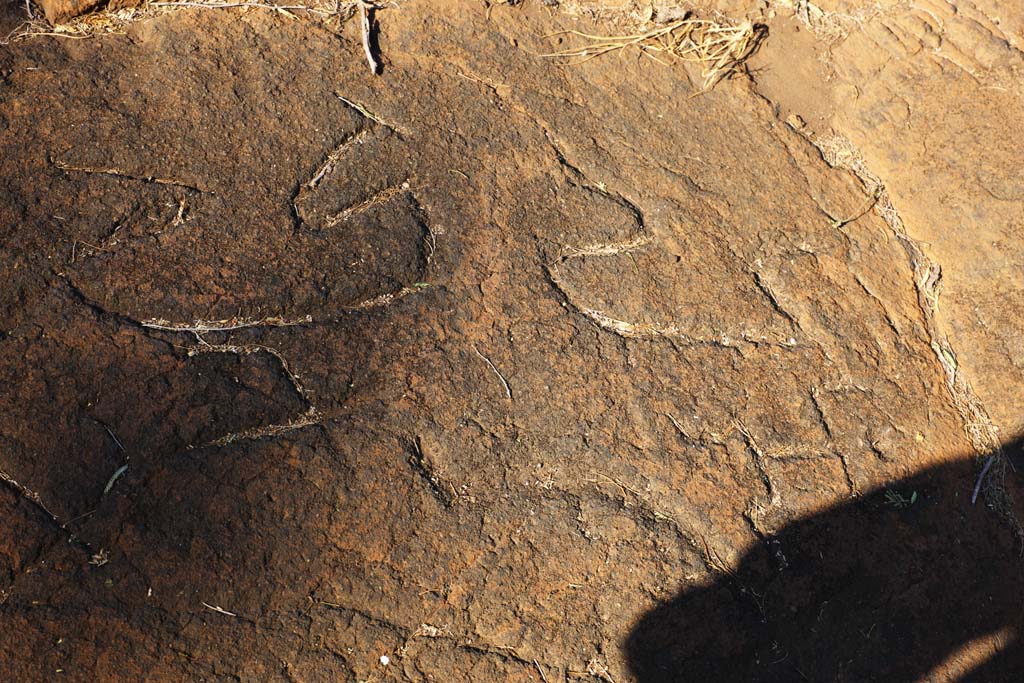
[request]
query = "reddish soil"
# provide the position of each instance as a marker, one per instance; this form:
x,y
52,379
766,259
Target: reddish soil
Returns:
x,y
488,368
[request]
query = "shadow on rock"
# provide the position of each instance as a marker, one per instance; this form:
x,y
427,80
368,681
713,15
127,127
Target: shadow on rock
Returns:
x,y
909,582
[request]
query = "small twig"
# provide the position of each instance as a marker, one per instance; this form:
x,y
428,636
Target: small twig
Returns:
x,y
31,496
218,610
720,50
869,204
981,477
679,427
366,112
540,671
74,248
179,217
114,437
114,477
622,486
365,16
504,382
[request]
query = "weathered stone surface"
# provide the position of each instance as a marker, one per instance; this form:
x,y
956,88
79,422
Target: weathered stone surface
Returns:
x,y
59,11
498,369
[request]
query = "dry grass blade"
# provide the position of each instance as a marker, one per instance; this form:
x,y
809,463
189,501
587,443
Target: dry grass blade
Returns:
x,y
86,26
600,45
720,49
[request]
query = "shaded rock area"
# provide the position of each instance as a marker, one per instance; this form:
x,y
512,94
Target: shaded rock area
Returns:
x,y
491,368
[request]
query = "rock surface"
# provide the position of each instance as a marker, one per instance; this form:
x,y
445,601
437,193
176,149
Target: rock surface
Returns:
x,y
59,11
493,369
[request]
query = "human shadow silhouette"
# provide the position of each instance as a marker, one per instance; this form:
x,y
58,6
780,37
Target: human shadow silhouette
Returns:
x,y
884,588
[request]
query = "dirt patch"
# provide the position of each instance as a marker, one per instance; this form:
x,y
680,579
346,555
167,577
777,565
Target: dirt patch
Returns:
x,y
485,368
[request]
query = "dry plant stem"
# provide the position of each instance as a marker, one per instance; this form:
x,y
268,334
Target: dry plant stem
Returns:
x,y
218,609
117,441
365,16
29,495
504,382
604,44
719,49
114,477
981,477
362,109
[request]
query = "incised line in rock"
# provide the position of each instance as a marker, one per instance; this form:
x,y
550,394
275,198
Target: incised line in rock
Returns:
x,y
117,173
982,432
311,416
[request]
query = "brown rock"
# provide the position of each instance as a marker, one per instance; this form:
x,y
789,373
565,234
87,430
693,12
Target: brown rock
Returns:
x,y
59,11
